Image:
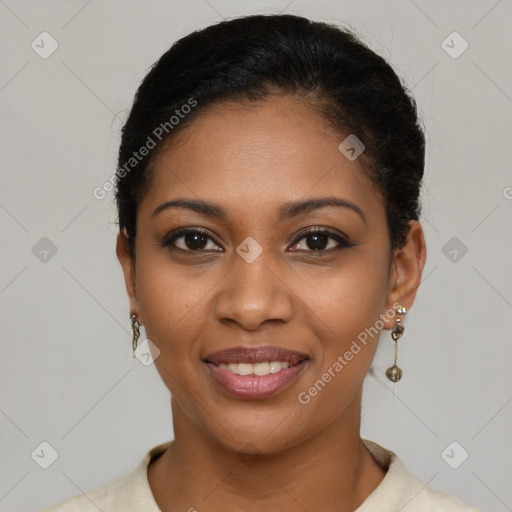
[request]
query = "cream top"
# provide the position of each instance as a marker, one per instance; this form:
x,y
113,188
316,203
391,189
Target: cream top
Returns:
x,y
398,491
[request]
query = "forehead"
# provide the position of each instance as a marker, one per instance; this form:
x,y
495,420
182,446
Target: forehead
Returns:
x,y
262,154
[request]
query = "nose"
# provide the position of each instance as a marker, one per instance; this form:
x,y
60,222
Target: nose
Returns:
x,y
252,294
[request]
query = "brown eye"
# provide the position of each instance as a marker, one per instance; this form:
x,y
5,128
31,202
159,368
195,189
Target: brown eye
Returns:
x,y
321,241
191,240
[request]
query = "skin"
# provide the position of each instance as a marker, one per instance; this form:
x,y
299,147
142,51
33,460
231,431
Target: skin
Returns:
x,y
250,160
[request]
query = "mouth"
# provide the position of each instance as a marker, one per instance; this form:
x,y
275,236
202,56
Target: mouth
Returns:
x,y
255,373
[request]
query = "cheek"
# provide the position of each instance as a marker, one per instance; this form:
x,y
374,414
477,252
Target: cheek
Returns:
x,y
173,307
172,302
346,309
346,320
351,294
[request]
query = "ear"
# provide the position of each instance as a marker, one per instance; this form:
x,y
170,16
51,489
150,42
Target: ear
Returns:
x,y
406,270
128,267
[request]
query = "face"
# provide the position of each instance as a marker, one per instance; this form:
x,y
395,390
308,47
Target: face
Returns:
x,y
280,251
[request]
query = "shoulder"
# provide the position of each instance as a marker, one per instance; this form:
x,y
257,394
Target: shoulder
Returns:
x,y
401,490
429,499
107,498
127,493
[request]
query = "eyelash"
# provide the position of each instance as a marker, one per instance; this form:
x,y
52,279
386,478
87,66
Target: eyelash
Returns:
x,y
342,241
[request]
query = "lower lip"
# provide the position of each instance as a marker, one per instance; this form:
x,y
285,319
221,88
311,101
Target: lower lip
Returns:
x,y
253,387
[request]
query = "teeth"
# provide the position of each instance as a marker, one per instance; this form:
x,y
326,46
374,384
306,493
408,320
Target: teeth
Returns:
x,y
245,368
260,369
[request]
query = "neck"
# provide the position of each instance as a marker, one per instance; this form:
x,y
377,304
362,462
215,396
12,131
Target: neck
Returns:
x,y
331,470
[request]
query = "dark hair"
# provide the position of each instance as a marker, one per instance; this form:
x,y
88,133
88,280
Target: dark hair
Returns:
x,y
249,58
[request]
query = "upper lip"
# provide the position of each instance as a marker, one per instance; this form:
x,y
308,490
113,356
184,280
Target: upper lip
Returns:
x,y
255,355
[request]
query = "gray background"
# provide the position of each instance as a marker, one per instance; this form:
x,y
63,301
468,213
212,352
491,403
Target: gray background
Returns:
x,y
67,377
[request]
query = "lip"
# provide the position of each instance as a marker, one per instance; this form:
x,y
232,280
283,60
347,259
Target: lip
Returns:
x,y
255,387
255,355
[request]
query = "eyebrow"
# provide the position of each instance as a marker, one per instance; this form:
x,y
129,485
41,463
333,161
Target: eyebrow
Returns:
x,y
286,211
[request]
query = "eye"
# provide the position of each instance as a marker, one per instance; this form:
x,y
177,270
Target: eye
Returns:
x,y
320,240
191,240
313,240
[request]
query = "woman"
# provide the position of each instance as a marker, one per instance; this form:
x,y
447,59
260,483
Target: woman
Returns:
x,y
267,188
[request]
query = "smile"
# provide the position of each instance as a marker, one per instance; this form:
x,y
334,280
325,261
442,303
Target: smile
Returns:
x,y
255,373
261,369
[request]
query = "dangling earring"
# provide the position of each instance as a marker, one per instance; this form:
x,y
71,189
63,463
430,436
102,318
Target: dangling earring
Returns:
x,y
394,374
136,334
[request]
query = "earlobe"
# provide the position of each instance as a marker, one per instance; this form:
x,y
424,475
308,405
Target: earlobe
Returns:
x,y
128,268
407,268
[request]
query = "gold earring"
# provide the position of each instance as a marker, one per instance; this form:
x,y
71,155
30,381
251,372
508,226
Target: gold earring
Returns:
x,y
394,374
136,334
